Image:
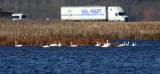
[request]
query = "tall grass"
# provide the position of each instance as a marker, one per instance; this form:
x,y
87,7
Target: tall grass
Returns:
x,y
40,32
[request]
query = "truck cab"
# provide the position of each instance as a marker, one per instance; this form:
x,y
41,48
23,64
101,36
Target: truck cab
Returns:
x,y
18,16
116,13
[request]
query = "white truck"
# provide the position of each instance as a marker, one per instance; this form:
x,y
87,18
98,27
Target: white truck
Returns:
x,y
18,16
108,13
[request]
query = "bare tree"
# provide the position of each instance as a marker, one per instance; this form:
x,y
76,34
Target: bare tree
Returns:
x,y
149,14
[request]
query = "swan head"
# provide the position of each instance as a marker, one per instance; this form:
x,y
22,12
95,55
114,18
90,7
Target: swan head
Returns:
x,y
70,43
15,42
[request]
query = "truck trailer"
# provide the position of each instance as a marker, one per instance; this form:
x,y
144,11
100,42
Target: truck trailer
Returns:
x,y
107,13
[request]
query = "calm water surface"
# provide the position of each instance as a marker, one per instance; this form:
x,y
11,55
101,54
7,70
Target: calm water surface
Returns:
x,y
144,58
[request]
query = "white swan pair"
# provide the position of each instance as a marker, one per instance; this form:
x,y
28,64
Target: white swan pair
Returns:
x,y
51,45
105,44
59,45
127,44
121,45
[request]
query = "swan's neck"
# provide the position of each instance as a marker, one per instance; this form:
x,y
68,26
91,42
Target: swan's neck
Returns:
x,y
15,43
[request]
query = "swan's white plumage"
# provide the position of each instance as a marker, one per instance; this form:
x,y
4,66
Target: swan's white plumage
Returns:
x,y
121,45
17,45
98,44
72,45
45,46
134,44
107,44
59,44
52,45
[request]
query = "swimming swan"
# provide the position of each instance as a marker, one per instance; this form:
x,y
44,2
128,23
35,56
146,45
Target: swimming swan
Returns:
x,y
134,44
52,45
127,44
72,45
59,45
45,46
121,45
98,44
107,44
17,45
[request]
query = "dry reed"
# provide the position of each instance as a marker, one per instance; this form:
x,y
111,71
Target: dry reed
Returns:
x,y
40,32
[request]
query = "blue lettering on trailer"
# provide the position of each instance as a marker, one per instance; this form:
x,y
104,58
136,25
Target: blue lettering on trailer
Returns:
x,y
86,12
95,11
91,11
82,15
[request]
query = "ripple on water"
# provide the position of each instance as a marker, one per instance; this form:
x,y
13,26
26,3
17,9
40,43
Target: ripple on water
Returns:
x,y
145,58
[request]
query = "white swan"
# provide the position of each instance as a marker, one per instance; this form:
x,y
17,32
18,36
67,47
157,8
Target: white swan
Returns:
x,y
52,45
46,46
127,44
59,45
17,45
106,44
134,44
98,44
72,45
121,45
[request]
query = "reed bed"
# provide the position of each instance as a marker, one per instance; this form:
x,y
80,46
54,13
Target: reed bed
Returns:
x,y
41,32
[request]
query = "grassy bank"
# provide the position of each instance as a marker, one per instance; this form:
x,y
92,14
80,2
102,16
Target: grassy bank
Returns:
x,y
41,32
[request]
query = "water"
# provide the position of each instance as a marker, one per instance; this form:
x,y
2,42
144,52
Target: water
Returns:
x,y
144,58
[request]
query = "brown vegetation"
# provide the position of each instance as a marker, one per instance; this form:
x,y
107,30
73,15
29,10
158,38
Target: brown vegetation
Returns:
x,y
41,32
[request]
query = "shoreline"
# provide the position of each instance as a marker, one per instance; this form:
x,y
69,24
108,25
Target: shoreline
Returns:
x,y
41,32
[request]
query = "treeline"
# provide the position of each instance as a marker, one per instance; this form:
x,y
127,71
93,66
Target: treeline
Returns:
x,y
138,10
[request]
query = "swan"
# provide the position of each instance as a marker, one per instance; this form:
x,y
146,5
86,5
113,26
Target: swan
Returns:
x,y
17,45
45,46
121,45
72,45
107,44
59,45
127,44
53,45
134,44
98,44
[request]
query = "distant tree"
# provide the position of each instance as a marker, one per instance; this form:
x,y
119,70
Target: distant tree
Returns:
x,y
136,9
149,14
